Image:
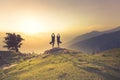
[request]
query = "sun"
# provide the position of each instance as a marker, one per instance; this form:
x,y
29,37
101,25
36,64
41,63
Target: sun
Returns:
x,y
31,30
32,26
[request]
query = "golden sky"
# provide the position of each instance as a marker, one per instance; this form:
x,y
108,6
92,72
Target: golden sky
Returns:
x,y
58,15
70,18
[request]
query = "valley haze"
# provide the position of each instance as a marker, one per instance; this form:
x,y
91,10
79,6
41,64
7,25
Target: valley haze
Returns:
x,y
38,42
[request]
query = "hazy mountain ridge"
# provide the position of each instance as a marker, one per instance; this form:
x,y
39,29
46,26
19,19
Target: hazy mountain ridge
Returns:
x,y
97,42
112,30
84,37
90,35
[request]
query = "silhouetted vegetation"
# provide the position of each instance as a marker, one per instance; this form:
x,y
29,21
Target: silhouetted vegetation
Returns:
x,y
13,41
9,57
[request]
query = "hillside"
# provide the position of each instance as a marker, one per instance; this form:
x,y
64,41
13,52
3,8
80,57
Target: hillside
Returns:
x,y
64,64
99,43
90,35
84,37
9,57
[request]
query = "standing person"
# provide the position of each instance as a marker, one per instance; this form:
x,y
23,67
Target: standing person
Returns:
x,y
58,39
53,40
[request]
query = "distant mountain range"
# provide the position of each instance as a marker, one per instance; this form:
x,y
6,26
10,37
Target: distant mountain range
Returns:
x,y
96,41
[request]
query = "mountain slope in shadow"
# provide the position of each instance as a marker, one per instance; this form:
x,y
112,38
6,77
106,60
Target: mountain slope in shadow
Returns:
x,y
100,43
90,35
84,37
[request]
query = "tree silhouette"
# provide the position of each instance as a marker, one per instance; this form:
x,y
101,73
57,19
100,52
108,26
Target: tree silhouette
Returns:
x,y
13,41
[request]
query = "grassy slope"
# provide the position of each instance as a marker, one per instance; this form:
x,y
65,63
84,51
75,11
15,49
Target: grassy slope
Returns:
x,y
9,57
72,66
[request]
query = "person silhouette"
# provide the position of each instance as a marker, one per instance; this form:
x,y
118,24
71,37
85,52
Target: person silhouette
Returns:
x,y
52,40
58,40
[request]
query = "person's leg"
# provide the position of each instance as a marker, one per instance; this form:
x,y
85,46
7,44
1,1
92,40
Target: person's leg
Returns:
x,y
52,45
58,43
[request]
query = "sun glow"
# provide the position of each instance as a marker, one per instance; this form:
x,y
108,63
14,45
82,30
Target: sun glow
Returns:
x,y
32,26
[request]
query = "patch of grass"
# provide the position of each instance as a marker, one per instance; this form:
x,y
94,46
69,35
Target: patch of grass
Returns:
x,y
72,66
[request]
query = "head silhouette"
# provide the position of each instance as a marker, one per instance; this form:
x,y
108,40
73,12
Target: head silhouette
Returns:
x,y
58,35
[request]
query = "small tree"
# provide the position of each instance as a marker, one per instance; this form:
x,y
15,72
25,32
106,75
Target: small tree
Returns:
x,y
13,41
